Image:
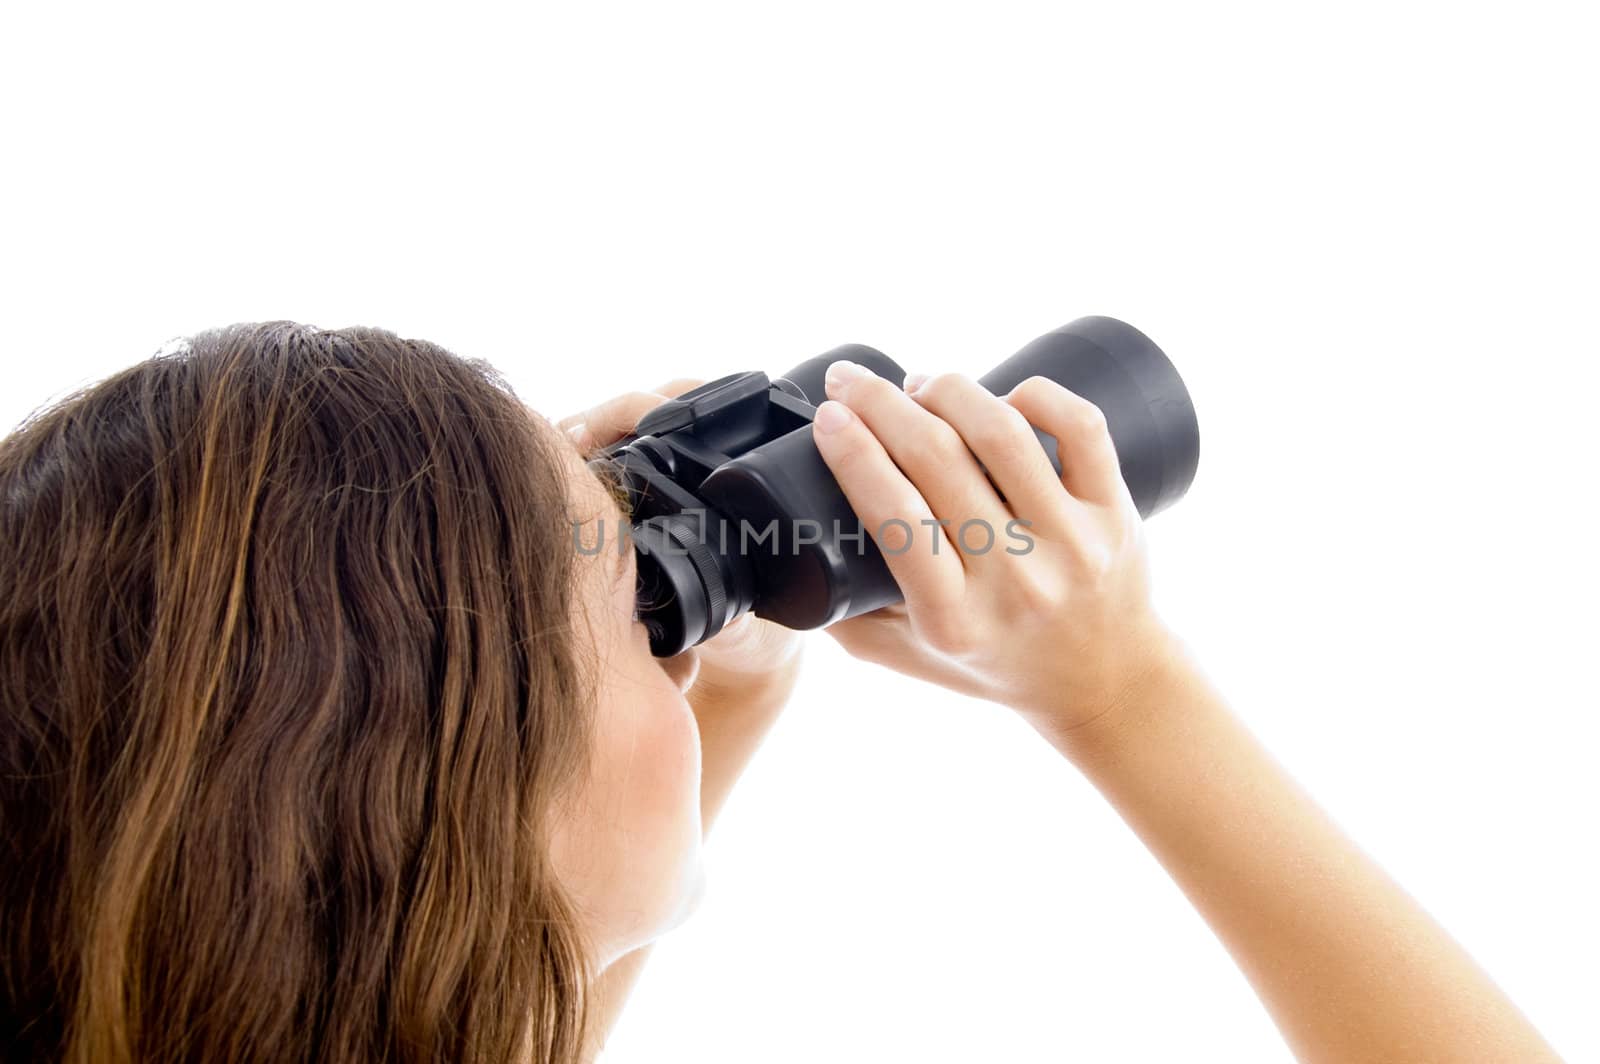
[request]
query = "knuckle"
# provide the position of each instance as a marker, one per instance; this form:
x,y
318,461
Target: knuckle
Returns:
x,y
871,390
848,454
945,445
1096,560
1037,602
1004,436
1085,419
1035,388
1132,521
894,537
1036,595
635,403
941,386
948,633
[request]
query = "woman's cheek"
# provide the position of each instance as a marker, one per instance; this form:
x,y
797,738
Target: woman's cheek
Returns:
x,y
679,743
668,811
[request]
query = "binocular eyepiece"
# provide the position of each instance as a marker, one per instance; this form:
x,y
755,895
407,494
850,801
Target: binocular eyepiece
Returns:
x,y
732,509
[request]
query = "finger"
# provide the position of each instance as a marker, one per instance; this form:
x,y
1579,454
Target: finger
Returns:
x,y
932,454
1004,442
677,386
1089,466
915,548
611,420
885,637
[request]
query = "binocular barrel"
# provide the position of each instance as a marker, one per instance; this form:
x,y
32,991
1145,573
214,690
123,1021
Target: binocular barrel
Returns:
x,y
1110,363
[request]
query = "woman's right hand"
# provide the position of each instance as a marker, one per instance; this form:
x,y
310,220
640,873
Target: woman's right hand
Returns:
x,y
1347,963
1062,629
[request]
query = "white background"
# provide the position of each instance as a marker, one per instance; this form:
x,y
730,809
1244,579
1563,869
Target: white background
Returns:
x,y
1366,234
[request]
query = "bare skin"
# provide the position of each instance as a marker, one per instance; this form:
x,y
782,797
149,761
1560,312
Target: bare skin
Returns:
x,y
1349,966
745,676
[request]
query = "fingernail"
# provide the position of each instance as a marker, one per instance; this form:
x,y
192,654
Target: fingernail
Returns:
x,y
576,431
914,381
831,416
842,372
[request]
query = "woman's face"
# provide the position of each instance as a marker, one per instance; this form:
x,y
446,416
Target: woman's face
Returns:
x,y
627,845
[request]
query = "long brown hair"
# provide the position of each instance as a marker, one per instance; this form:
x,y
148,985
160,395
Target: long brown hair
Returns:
x,y
287,688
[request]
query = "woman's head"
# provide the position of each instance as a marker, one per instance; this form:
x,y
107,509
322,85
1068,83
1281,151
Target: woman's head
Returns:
x,y
317,737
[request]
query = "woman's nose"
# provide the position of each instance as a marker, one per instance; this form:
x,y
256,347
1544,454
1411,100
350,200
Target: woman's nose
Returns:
x,y
683,668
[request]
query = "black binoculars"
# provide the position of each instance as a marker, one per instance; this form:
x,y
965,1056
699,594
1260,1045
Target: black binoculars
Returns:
x,y
732,509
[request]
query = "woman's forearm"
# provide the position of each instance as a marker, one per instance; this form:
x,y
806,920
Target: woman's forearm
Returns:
x,y
1349,966
734,713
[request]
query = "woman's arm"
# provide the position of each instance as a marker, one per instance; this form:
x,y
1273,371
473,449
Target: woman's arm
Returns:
x,y
1350,967
1063,631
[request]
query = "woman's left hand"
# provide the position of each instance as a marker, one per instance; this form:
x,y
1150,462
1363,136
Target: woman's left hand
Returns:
x,y
751,655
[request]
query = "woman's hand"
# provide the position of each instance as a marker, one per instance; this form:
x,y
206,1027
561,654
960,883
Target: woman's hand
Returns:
x,y
752,658
1054,619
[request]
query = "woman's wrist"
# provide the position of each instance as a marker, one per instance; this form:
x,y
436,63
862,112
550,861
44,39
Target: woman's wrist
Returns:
x,y
1127,703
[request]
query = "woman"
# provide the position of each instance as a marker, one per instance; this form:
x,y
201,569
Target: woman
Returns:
x,y
319,739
